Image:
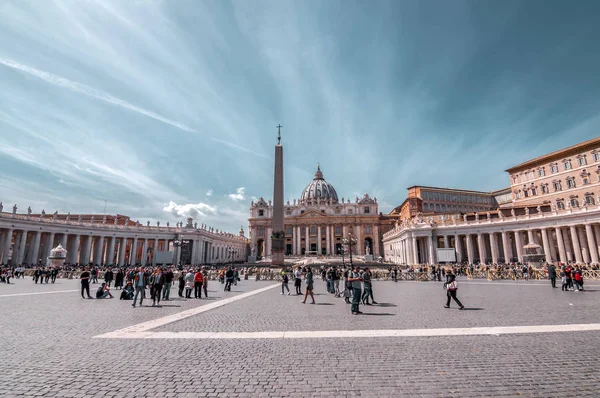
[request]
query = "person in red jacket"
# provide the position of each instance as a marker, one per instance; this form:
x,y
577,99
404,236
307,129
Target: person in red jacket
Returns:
x,y
198,280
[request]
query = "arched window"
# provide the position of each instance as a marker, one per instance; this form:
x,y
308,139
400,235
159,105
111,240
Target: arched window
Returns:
x,y
589,199
560,204
574,202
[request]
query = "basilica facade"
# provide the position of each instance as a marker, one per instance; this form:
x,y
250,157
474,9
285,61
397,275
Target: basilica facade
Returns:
x,y
317,222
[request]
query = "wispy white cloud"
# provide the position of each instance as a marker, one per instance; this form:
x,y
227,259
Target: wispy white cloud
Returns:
x,y
209,192
238,195
196,211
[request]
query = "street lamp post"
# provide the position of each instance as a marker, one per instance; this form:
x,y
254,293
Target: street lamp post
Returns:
x,y
349,241
231,254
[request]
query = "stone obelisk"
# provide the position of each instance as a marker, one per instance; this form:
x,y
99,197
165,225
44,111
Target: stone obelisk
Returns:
x,y
278,236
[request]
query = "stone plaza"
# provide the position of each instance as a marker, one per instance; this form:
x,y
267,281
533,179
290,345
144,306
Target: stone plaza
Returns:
x,y
514,339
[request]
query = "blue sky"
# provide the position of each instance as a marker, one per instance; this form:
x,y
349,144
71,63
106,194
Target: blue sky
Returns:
x,y
168,108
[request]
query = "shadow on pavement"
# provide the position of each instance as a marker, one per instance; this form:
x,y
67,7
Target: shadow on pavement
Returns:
x,y
378,313
324,304
385,305
473,309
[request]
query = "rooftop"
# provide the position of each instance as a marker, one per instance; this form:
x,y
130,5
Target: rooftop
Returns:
x,y
556,154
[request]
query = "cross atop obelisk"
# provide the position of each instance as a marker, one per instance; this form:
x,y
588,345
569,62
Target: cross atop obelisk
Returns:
x,y
279,126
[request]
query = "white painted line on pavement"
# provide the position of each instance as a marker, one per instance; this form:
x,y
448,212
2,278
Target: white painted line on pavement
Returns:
x,y
326,334
36,293
142,328
513,283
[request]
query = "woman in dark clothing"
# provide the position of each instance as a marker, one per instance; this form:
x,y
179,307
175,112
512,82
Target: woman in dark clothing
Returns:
x,y
181,283
451,289
119,276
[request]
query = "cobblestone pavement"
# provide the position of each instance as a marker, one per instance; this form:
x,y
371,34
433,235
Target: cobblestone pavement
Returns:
x,y
48,349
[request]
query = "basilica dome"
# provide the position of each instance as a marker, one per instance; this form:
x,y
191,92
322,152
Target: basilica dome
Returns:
x,y
319,188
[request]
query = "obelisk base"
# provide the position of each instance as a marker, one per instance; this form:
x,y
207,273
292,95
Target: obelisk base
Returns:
x,y
277,259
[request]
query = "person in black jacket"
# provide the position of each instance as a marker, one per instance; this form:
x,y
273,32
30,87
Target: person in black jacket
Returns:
x,y
53,274
108,277
169,276
552,275
181,283
119,276
229,275
85,282
451,289
157,280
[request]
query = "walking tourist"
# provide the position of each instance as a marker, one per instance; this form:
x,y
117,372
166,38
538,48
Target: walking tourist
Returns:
x,y
189,284
108,277
298,280
140,280
578,279
552,275
198,279
85,283
368,287
229,275
181,281
284,282
53,274
309,286
451,288
355,279
157,285
205,281
169,276
119,277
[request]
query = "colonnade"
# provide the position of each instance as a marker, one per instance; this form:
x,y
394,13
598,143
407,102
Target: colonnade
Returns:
x,y
578,243
31,244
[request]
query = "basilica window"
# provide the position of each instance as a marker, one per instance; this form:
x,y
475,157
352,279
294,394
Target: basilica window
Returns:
x,y
367,229
367,210
585,179
570,182
289,231
531,176
261,231
545,188
533,191
574,202
313,231
323,232
589,199
338,230
349,211
557,186
261,213
518,194
567,164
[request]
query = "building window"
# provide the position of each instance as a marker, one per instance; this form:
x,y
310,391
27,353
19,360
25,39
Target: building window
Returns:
x,y
289,231
567,165
554,168
557,186
261,231
518,194
533,191
526,193
367,210
323,232
541,172
570,182
596,156
367,229
560,204
338,230
544,188
589,199
585,179
574,202
301,211
313,231
581,160
261,213
349,211
531,176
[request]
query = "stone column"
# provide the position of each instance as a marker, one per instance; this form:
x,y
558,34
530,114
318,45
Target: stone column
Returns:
x,y
294,240
530,236
519,244
178,258
359,241
6,246
553,255
597,234
561,245
470,253
446,242
415,250
319,239
506,246
87,251
576,247
430,247
133,252
591,243
63,240
100,243
298,240
482,250
48,247
155,249
22,244
376,244
74,254
585,250
122,249
546,245
568,244
110,253
307,242
494,247
458,248
144,259
328,239
36,247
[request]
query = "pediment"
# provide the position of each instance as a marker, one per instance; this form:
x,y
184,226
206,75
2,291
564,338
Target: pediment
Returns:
x,y
313,213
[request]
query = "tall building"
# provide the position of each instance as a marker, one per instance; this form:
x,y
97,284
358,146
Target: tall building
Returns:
x,y
317,221
553,201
